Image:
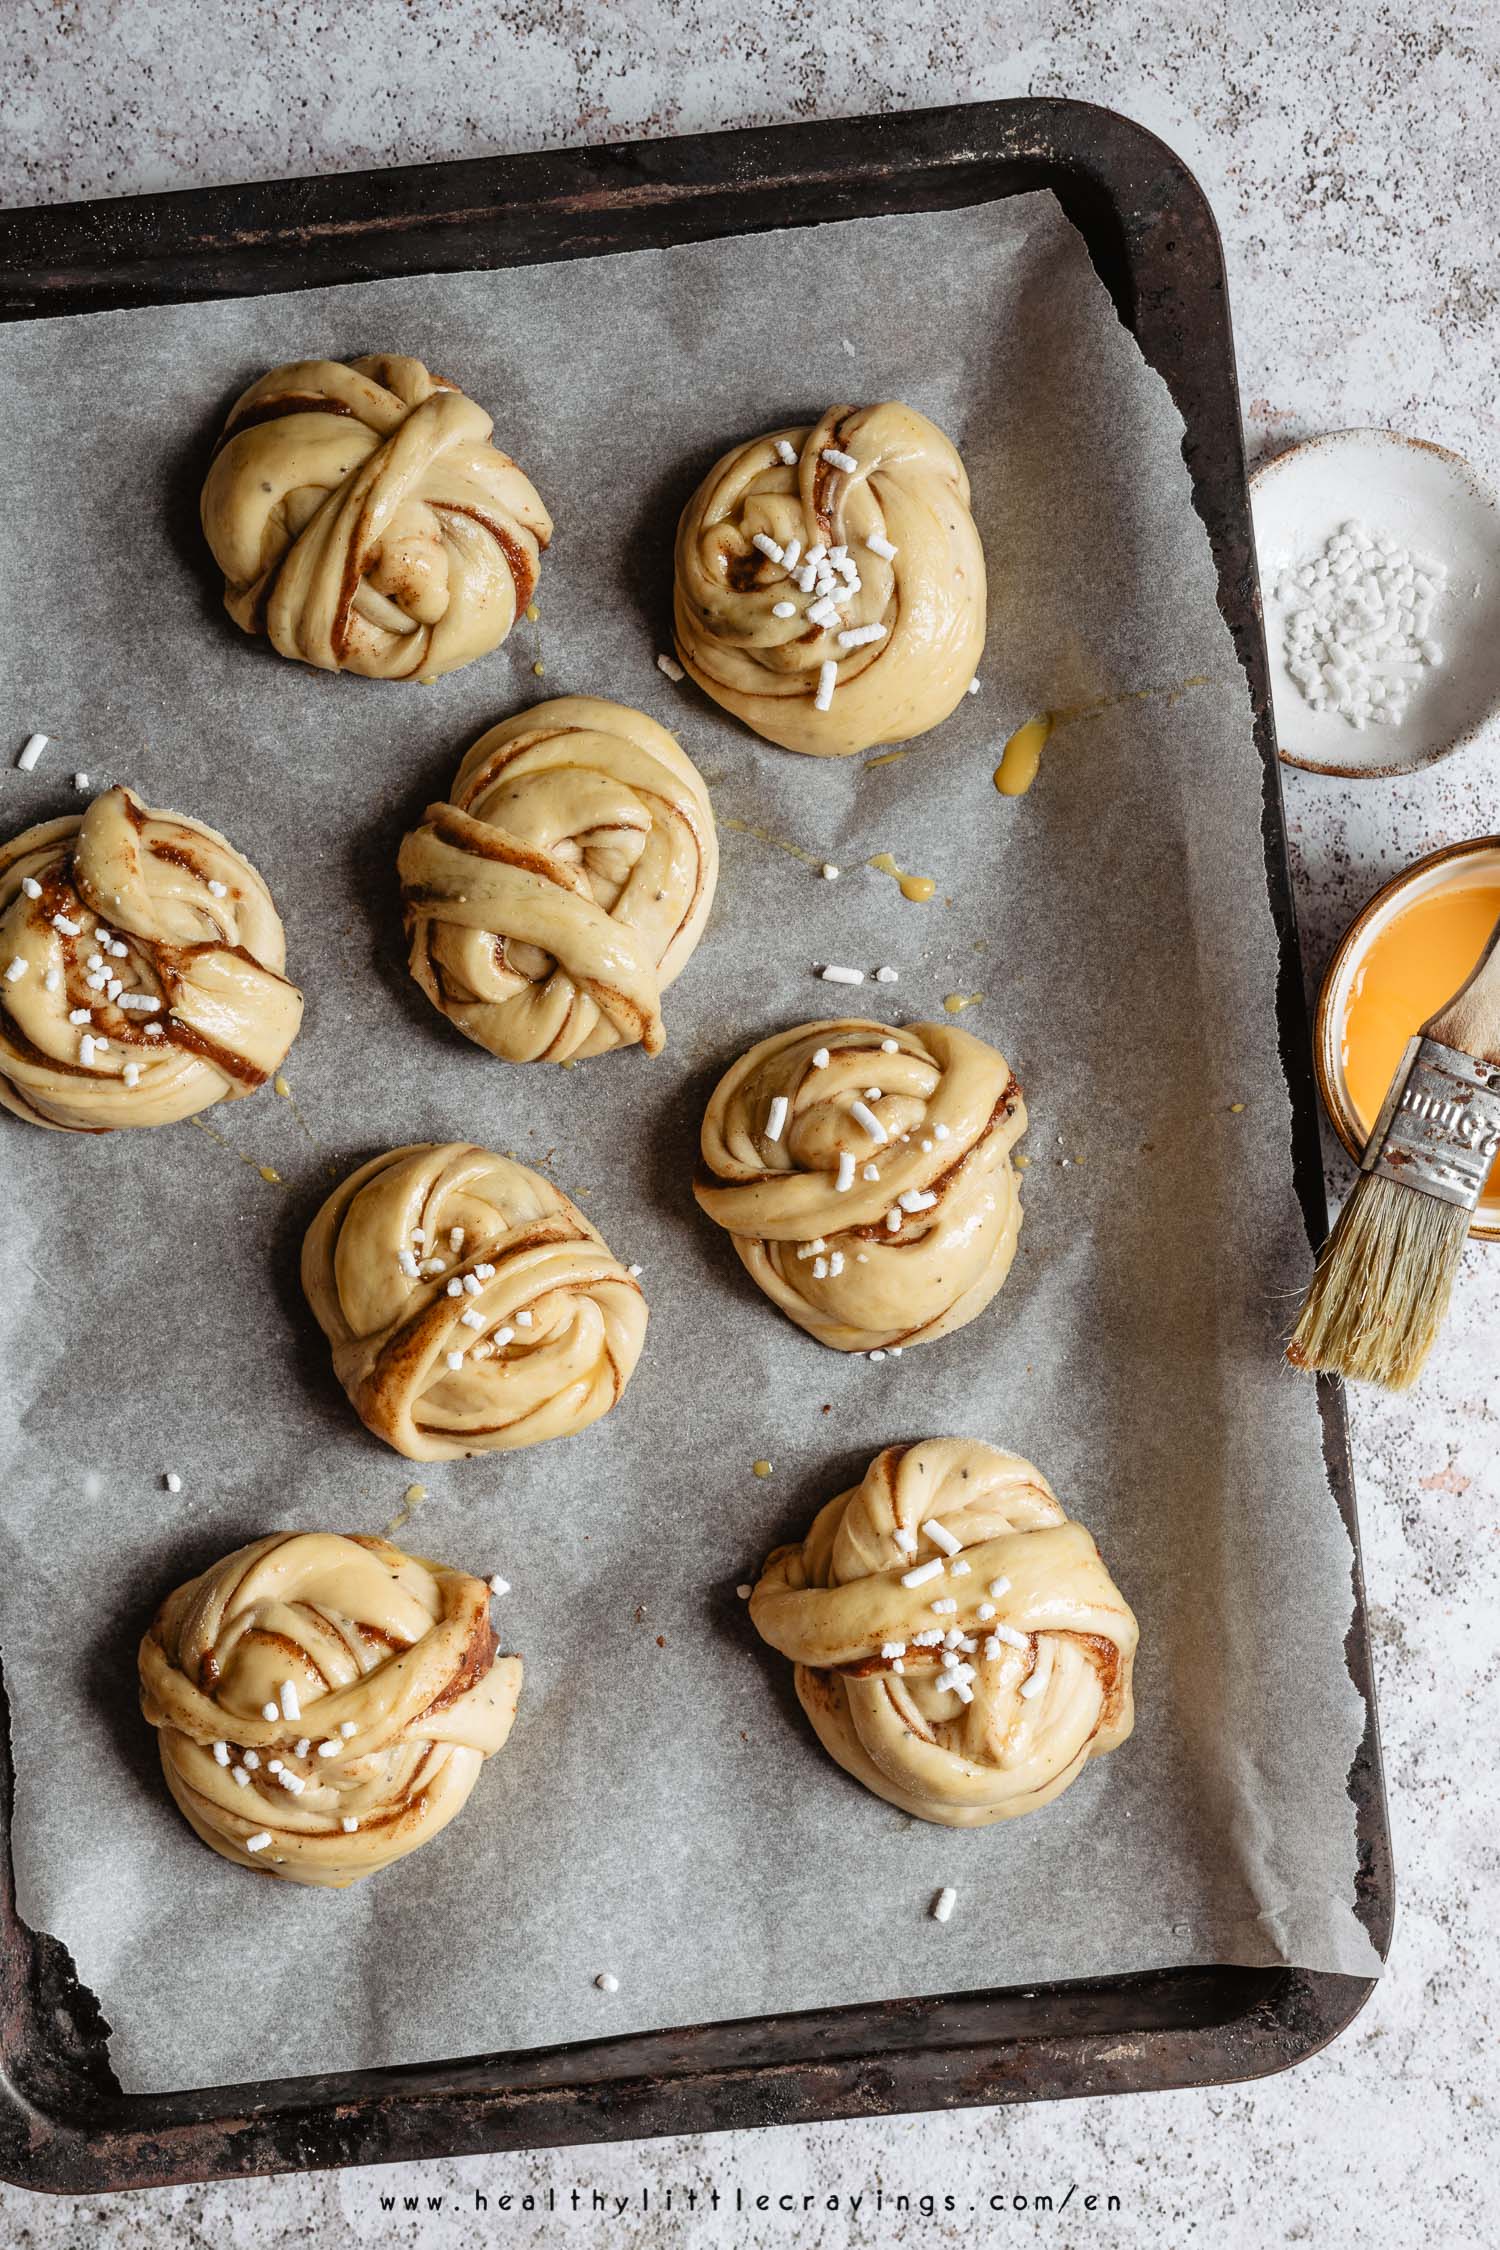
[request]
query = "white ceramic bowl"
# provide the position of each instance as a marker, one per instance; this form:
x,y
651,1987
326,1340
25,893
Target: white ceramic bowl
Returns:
x,y
1432,504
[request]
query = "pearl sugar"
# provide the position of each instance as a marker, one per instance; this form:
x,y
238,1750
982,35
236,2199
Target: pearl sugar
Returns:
x,y
1357,635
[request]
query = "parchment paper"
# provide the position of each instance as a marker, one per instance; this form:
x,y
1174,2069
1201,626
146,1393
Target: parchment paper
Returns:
x,y
662,1811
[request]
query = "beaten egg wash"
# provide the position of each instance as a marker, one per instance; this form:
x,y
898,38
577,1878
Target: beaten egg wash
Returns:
x,y
1022,755
1410,968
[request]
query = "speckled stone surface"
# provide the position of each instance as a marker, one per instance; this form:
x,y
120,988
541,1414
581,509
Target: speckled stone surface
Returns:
x,y
1349,154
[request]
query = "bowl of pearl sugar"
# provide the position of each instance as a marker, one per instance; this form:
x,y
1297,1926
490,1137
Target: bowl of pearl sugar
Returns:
x,y
1380,579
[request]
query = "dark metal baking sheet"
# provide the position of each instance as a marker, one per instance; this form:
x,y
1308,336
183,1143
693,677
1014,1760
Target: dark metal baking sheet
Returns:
x,y
64,2124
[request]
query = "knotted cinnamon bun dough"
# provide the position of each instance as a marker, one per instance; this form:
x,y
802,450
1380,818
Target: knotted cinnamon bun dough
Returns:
x,y
141,966
563,885
990,1706
386,1691
363,520
865,1177
471,1307
868,552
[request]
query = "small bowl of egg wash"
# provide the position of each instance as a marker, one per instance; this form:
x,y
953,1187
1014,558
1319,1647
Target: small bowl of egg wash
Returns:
x,y
1401,959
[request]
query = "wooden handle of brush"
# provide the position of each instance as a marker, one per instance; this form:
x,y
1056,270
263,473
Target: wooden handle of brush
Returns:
x,y
1471,1019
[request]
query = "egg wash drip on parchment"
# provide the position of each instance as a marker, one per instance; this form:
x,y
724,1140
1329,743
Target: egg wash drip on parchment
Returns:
x,y
918,888
268,1172
778,843
1358,631
1022,756
1020,760
411,1500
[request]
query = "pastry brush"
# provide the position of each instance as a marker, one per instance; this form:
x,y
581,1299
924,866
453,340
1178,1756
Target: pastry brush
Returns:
x,y
1381,1289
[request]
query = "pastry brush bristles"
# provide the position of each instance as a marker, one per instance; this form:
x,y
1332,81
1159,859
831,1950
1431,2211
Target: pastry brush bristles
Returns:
x,y
1382,1286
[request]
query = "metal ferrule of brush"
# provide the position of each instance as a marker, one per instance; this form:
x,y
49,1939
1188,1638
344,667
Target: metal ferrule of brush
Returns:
x,y
1439,1129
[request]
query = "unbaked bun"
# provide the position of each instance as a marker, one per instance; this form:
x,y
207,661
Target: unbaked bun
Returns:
x,y
363,520
141,966
830,582
471,1307
563,885
984,1689
384,1692
865,1176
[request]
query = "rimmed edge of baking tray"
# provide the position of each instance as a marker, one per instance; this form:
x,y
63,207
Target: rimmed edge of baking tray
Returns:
x,y
65,2127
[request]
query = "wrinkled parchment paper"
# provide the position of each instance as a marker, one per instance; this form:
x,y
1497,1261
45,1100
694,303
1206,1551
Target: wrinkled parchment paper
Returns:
x,y
662,1811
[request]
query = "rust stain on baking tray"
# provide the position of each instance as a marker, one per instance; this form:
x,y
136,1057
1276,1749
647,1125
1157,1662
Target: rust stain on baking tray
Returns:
x,y
586,201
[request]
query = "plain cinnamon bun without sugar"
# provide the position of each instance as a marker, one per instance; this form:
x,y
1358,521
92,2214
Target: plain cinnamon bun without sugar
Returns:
x,y
563,885
365,523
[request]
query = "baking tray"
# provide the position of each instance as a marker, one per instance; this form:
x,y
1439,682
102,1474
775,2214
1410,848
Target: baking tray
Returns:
x,y
64,2124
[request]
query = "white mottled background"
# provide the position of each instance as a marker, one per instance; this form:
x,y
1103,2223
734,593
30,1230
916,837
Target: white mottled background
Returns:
x,y
1349,152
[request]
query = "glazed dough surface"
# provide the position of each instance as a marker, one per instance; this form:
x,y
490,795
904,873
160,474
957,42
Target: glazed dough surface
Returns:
x,y
363,520
1042,1641
909,491
420,1238
148,935
397,1651
563,885
857,1266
